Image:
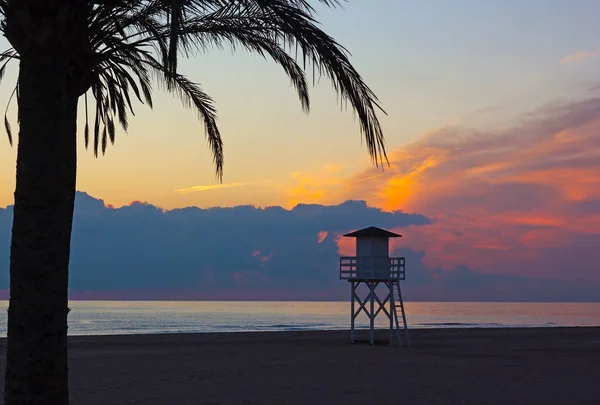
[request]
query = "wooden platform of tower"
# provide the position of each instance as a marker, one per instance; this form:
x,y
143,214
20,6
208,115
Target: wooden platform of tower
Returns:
x,y
373,266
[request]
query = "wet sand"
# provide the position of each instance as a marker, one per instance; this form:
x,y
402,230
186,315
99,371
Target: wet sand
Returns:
x,y
452,366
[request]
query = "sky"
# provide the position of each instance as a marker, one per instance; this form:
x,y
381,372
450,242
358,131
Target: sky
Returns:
x,y
494,178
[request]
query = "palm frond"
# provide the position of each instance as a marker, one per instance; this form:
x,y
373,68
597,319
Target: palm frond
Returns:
x,y
6,57
124,63
129,42
7,126
253,23
178,12
192,96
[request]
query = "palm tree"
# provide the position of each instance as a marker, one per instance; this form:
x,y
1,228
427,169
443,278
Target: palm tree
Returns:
x,y
106,52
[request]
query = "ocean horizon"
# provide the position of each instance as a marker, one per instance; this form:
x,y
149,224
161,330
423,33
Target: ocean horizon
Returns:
x,y
158,317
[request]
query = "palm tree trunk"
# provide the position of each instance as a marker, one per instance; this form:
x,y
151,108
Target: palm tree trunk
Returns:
x,y
36,358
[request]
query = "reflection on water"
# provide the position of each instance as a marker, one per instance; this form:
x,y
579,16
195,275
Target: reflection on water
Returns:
x,y
127,317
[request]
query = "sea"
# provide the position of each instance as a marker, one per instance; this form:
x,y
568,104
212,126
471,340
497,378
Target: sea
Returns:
x,y
153,317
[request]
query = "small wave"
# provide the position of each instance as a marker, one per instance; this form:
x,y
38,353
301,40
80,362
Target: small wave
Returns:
x,y
303,325
465,325
483,325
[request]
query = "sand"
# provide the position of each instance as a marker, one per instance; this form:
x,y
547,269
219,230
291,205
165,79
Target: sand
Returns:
x,y
452,366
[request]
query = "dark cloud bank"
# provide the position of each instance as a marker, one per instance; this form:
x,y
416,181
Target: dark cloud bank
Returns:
x,y
143,252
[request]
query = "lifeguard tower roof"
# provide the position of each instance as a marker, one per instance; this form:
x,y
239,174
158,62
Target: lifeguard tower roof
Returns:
x,y
372,231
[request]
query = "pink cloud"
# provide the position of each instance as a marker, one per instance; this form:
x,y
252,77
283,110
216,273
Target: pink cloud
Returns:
x,y
267,257
321,236
263,258
579,56
504,202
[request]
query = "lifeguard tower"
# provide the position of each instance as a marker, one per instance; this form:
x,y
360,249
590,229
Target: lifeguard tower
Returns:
x,y
372,266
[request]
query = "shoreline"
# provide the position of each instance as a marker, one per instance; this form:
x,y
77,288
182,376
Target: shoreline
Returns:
x,y
381,334
358,331
378,331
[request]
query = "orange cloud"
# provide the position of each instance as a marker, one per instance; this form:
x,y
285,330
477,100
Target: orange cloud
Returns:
x,y
346,246
326,186
321,236
311,189
498,201
216,186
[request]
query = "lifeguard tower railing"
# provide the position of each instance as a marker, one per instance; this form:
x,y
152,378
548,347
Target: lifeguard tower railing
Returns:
x,y
372,268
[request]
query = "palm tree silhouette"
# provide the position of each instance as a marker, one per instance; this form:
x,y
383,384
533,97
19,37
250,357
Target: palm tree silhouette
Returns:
x,y
107,52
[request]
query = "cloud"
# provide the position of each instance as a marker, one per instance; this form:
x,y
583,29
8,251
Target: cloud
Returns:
x,y
143,247
579,56
217,186
524,202
439,284
321,236
141,251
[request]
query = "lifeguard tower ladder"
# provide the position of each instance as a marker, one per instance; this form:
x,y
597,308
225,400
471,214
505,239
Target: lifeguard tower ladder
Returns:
x,y
372,265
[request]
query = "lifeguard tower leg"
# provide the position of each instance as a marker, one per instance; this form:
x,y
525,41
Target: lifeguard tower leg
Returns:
x,y
372,312
391,314
352,289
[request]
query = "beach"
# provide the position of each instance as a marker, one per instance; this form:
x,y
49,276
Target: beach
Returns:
x,y
443,366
